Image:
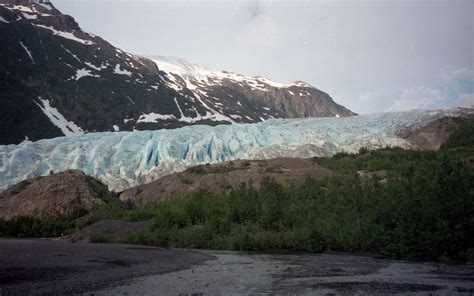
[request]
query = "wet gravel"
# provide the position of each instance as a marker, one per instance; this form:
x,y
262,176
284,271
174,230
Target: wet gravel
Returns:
x,y
234,273
45,267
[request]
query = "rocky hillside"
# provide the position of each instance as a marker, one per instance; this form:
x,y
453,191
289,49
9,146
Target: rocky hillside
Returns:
x,y
221,178
434,134
70,193
56,79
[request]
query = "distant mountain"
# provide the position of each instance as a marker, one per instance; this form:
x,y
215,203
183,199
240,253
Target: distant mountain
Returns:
x,y
56,79
242,98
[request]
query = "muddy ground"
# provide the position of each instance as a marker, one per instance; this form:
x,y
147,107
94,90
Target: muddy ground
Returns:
x,y
45,267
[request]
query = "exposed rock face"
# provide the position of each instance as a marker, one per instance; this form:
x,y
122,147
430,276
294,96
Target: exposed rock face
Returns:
x,y
221,178
67,193
56,79
432,135
20,2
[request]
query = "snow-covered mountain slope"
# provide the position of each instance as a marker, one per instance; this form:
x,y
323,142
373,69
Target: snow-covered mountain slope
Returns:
x,y
56,79
235,97
125,159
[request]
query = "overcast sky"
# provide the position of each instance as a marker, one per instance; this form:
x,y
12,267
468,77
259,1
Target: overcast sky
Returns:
x,y
370,56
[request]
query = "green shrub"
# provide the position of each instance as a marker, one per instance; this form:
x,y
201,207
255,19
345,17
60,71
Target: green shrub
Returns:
x,y
24,226
462,136
185,180
20,187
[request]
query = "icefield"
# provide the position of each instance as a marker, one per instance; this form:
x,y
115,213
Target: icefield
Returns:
x,y
126,159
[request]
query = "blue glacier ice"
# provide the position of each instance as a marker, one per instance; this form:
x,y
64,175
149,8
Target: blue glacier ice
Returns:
x,y
125,159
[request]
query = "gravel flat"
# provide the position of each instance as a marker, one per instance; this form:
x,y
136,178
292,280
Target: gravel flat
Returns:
x,y
46,267
41,267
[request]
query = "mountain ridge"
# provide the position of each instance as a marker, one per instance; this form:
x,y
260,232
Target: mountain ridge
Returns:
x,y
56,79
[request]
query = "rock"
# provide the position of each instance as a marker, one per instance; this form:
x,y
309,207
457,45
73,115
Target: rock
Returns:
x,y
62,194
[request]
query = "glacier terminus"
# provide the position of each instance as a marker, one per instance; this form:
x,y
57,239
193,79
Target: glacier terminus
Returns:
x,y
126,159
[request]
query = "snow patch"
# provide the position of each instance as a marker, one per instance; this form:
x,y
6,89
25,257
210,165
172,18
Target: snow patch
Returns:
x,y
83,73
27,51
66,35
71,54
154,117
3,20
101,67
29,16
68,128
116,128
20,8
122,72
131,101
46,5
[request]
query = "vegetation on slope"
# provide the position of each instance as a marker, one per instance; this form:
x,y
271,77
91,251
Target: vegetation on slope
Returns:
x,y
462,136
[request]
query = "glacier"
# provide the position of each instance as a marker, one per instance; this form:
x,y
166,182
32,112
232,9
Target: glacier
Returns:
x,y
126,159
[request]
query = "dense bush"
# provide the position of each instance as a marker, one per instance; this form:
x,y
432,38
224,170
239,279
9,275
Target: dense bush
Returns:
x,y
424,209
462,136
30,227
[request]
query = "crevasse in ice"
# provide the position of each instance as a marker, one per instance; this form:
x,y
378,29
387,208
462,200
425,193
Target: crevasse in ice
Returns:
x,y
125,159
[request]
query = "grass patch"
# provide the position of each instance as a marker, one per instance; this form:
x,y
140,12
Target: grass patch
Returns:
x,y
185,180
20,187
218,169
